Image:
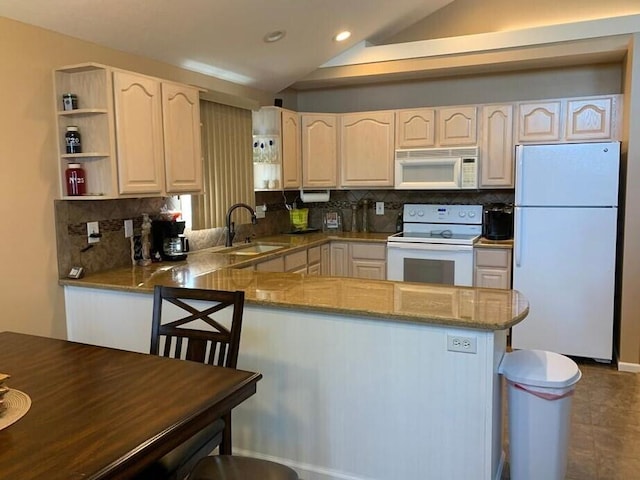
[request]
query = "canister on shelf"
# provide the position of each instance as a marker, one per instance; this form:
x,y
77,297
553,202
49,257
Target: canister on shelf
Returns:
x,y
76,180
72,140
69,101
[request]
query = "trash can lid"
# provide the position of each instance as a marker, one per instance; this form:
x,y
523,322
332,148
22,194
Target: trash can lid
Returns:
x,y
539,368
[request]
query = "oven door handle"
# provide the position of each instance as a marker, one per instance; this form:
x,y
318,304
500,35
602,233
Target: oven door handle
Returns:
x,y
430,246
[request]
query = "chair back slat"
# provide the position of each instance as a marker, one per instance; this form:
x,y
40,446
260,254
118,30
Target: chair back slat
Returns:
x,y
196,334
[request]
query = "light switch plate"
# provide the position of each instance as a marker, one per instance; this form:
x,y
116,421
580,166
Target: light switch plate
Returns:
x,y
379,208
128,228
93,232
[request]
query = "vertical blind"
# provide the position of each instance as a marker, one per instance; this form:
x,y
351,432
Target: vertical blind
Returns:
x,y
228,165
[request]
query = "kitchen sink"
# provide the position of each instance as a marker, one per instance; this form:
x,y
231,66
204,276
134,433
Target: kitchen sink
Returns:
x,y
251,249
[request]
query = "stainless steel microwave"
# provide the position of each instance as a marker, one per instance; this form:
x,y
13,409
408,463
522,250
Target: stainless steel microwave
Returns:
x,y
437,168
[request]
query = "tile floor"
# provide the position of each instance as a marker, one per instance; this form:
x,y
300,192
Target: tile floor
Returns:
x,y
605,425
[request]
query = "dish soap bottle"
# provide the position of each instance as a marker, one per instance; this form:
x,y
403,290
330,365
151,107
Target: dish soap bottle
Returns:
x,y
399,224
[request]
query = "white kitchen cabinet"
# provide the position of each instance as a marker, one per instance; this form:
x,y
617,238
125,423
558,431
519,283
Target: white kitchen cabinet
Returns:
x,y
492,267
539,121
457,126
140,134
138,114
339,259
271,265
570,119
593,118
496,148
291,161
296,262
276,155
415,128
319,150
314,261
325,259
359,260
182,145
367,149
368,260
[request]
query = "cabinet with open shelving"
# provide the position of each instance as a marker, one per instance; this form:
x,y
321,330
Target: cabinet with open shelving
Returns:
x,y
276,149
156,124
94,118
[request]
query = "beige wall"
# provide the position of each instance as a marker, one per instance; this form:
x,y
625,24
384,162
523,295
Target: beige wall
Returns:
x,y
465,17
630,285
500,87
31,300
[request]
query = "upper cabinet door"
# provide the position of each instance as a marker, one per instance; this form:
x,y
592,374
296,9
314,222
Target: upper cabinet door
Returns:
x,y
319,150
366,149
291,163
457,126
182,147
138,119
497,156
590,119
539,122
415,128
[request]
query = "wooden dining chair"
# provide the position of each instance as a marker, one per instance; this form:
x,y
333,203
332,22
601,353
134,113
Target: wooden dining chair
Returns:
x,y
184,327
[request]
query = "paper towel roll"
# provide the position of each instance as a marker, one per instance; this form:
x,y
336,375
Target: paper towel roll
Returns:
x,y
314,197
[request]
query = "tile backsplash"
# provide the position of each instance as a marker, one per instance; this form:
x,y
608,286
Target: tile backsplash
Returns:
x,y
343,201
114,249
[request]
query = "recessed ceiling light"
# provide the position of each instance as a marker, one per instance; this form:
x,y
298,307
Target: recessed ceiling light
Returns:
x,y
274,36
342,36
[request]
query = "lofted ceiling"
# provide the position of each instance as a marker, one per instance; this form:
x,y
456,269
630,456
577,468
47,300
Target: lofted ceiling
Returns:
x,y
224,38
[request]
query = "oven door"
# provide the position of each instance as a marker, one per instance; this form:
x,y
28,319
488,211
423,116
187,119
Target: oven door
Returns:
x,y
430,263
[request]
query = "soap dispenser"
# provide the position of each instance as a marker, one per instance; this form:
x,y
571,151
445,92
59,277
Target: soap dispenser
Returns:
x,y
399,223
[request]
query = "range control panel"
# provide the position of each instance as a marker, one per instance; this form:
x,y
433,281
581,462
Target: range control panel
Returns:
x,y
428,213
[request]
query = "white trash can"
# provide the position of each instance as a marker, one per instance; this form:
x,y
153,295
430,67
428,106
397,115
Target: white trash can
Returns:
x,y
540,388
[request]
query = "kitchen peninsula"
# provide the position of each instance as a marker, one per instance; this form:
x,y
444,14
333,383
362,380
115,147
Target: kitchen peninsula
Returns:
x,y
360,380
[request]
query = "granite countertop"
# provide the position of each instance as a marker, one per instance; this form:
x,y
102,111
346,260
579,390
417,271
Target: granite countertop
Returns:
x,y
478,308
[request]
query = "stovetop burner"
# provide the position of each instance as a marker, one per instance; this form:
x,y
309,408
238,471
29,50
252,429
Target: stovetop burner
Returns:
x,y
444,224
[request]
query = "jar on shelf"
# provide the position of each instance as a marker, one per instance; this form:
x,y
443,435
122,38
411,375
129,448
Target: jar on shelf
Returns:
x,y
72,140
69,101
76,180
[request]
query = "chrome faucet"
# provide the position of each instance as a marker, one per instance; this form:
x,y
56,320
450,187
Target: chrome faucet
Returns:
x,y
231,230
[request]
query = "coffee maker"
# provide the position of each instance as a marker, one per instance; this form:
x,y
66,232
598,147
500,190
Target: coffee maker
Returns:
x,y
497,221
168,240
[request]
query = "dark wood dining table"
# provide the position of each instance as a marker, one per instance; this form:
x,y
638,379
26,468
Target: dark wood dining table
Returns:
x,y
101,413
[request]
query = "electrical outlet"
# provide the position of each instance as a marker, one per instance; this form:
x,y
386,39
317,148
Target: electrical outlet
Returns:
x,y
379,208
260,210
128,228
93,232
457,343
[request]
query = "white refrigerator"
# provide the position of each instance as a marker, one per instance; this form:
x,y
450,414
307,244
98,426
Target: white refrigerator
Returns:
x,y
565,225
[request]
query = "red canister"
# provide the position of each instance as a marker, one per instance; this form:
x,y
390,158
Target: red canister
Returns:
x,y
76,180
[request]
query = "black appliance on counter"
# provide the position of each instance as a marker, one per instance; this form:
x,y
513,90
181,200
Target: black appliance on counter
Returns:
x,y
497,221
169,240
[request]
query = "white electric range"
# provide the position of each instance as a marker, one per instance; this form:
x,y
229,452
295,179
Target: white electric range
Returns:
x,y
436,244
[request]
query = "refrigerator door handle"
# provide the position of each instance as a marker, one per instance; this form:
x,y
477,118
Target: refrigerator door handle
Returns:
x,y
518,212
519,174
